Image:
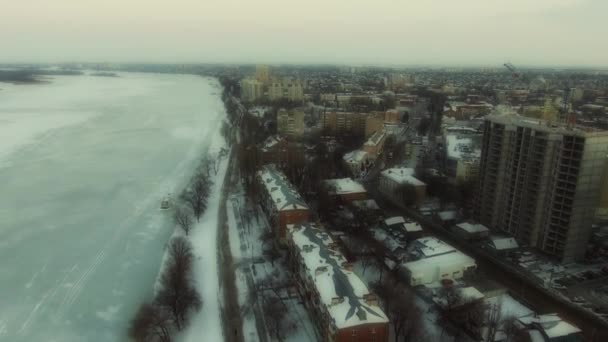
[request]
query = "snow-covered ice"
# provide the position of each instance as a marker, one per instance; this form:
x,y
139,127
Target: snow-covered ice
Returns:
x,y
84,163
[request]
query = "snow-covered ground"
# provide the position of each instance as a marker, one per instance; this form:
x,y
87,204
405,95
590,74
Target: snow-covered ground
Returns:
x,y
207,322
84,163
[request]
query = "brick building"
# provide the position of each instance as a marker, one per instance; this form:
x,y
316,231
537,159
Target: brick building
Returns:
x,y
282,204
344,123
393,180
338,300
346,190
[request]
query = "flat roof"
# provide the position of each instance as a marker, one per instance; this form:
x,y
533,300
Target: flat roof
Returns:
x,y
343,186
543,126
454,258
431,246
340,290
472,227
402,175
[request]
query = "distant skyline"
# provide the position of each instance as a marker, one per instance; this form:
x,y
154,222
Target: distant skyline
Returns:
x,y
553,33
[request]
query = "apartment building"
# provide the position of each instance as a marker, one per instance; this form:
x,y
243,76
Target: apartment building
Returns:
x,y
541,183
281,202
344,123
289,89
290,123
251,89
262,74
339,301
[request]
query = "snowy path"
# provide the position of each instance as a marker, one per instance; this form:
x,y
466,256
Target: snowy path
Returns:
x,y
84,163
206,325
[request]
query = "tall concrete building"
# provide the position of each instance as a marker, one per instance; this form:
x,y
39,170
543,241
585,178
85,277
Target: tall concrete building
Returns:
x,y
290,123
262,74
541,183
251,89
275,90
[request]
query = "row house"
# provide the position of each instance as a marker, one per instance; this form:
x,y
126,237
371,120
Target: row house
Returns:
x,y
282,204
338,300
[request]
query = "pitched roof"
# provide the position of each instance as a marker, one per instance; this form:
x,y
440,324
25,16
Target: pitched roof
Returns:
x,y
340,290
283,195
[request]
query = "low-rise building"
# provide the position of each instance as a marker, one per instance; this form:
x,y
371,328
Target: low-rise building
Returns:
x,y
282,204
278,150
437,261
358,162
471,231
340,303
393,183
373,145
503,244
549,328
346,190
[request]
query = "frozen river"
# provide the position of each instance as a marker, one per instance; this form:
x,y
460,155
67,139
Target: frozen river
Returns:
x,y
84,163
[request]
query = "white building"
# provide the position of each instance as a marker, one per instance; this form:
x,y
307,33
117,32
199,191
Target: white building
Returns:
x,y
438,261
393,180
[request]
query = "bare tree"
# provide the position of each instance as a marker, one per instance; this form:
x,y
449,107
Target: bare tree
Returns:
x,y
150,324
177,295
272,254
401,307
510,328
183,218
277,320
493,320
196,196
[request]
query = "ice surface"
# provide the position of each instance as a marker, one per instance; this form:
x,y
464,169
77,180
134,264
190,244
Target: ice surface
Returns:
x,y
84,164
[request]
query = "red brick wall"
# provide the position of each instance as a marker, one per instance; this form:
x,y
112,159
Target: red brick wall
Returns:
x,y
291,217
364,333
349,198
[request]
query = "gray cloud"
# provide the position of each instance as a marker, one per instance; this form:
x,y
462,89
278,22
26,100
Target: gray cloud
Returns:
x,y
462,32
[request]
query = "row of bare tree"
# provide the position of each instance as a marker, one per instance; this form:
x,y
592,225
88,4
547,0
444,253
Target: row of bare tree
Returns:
x,y
175,300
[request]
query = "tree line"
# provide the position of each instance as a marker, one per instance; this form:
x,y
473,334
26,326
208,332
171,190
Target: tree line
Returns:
x,y
176,298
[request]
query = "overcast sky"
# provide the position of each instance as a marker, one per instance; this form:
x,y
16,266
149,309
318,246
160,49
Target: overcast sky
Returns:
x,y
439,32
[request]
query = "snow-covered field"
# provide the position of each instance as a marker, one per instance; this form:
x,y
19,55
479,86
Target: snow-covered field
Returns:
x,y
84,163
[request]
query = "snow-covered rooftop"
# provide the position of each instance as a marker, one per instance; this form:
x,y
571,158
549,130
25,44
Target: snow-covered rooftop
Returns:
x,y
376,138
504,243
552,325
472,228
459,147
356,156
447,215
344,186
271,142
466,294
341,291
412,227
431,246
394,220
283,195
402,175
444,261
368,204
